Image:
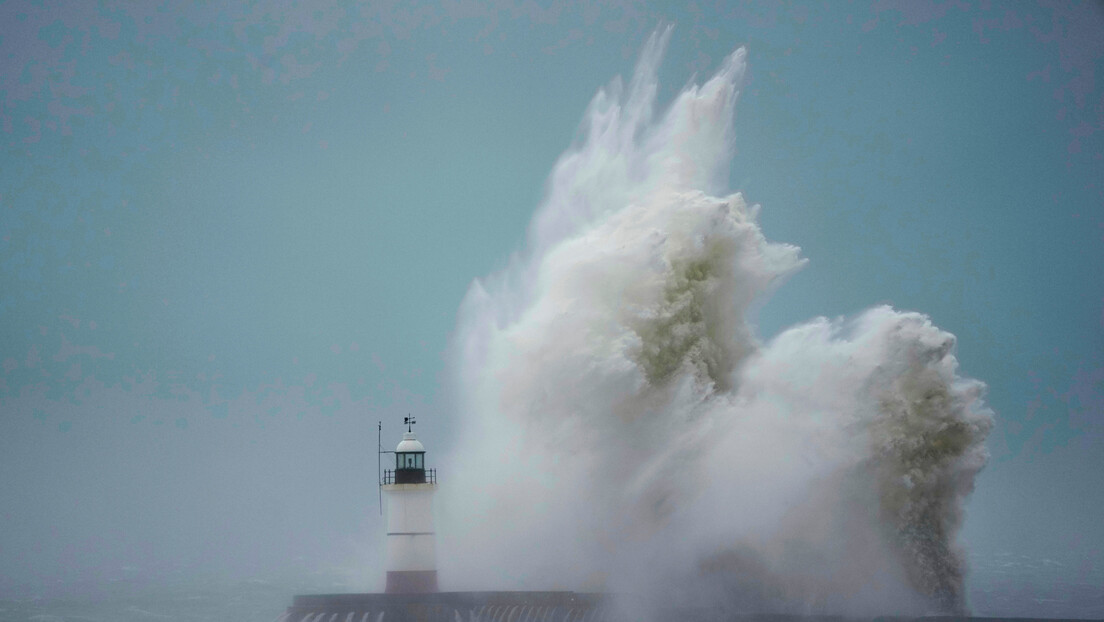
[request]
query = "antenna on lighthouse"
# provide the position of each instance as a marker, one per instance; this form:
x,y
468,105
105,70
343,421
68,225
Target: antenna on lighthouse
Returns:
x,y
379,461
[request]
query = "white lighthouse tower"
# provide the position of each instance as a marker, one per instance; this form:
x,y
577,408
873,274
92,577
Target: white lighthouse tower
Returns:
x,y
411,541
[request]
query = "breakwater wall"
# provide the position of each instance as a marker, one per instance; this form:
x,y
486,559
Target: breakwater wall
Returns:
x,y
540,607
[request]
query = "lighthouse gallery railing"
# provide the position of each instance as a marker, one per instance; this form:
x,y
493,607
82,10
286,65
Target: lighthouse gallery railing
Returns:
x,y
409,476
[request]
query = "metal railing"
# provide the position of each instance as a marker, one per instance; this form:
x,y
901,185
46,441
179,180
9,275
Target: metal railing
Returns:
x,y
409,476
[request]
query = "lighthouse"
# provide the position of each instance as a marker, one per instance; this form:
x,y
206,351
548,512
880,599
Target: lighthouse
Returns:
x,y
411,563
411,545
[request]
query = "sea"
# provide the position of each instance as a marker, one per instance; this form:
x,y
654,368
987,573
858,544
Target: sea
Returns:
x,y
1002,586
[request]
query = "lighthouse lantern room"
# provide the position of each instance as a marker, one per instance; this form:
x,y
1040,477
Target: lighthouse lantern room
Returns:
x,y
411,546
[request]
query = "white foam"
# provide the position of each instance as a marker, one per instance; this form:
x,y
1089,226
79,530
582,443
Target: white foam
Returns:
x,y
653,442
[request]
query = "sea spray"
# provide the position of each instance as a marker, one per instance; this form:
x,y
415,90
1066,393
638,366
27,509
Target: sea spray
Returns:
x,y
624,429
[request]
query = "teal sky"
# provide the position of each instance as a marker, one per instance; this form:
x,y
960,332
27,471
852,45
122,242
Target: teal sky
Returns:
x,y
234,236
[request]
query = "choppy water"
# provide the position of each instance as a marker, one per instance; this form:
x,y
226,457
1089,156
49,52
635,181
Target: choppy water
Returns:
x,y
248,602
1001,586
1017,585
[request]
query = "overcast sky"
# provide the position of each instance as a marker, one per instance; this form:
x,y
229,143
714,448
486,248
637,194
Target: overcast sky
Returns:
x,y
234,237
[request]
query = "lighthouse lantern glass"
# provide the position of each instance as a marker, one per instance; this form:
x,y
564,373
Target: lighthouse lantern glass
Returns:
x,y
409,461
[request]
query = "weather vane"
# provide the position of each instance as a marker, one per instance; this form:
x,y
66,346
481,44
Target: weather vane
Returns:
x,y
409,421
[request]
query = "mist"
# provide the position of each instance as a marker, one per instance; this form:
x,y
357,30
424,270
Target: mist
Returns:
x,y
624,428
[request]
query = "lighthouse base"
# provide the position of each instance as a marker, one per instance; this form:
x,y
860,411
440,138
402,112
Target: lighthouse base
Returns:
x,y
411,582
449,607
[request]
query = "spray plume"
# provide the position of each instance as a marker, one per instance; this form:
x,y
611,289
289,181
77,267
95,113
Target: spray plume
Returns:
x,y
623,429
